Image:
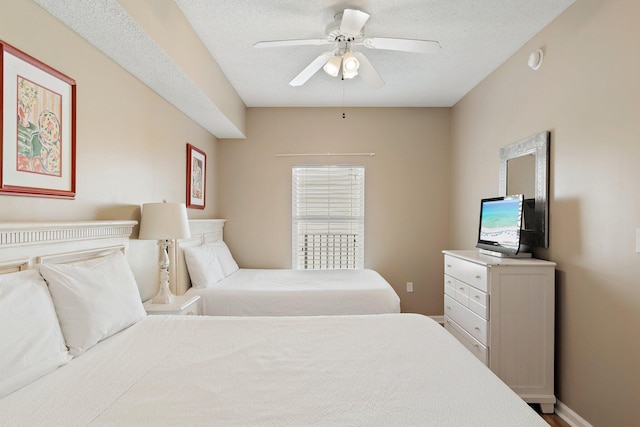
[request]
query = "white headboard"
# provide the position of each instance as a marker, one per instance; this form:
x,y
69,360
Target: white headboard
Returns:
x,y
202,231
25,244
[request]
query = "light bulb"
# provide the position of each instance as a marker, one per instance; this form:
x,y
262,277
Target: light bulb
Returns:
x,y
350,64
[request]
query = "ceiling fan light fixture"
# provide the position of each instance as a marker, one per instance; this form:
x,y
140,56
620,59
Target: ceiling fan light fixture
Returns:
x,y
349,75
332,67
350,64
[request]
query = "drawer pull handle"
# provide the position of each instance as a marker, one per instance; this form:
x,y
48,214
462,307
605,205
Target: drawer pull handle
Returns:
x,y
476,296
448,265
448,307
478,276
461,288
477,329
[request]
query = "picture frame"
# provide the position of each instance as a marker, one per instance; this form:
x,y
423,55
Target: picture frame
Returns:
x,y
38,127
196,177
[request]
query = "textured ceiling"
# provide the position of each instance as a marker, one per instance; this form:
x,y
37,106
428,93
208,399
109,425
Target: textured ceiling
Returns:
x,y
475,38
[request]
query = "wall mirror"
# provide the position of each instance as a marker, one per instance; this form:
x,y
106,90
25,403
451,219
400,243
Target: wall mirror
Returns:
x,y
524,167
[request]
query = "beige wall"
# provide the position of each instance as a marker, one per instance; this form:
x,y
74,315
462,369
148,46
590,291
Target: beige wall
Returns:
x,y
406,188
431,168
587,93
131,144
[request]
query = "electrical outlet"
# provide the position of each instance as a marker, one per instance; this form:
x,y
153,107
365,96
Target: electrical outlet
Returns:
x,y
409,286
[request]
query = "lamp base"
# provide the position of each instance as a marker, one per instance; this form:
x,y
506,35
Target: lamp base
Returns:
x,y
164,295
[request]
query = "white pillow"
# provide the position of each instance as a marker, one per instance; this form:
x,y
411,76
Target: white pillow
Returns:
x,y
204,267
31,344
229,265
94,299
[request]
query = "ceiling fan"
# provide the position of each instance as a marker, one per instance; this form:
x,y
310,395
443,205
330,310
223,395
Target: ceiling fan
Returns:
x,y
344,33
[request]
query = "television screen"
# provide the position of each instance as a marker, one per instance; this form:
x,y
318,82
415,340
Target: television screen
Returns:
x,y
500,223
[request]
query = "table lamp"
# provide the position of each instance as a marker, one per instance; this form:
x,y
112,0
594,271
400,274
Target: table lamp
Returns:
x,y
164,222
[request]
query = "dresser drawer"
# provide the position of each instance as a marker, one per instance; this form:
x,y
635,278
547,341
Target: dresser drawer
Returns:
x,y
462,293
459,290
479,302
468,272
474,346
450,286
475,325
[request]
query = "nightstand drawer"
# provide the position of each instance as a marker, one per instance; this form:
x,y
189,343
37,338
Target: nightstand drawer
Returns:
x,y
183,305
468,272
472,323
192,310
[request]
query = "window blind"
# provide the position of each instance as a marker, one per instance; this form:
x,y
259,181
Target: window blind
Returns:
x,y
328,217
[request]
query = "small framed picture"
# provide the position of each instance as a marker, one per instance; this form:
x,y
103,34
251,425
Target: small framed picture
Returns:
x,y
38,138
196,177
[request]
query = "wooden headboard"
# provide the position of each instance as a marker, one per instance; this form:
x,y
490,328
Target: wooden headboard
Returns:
x,y
26,244
202,231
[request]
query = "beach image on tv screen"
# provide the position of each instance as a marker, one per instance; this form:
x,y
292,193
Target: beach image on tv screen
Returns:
x,y
500,222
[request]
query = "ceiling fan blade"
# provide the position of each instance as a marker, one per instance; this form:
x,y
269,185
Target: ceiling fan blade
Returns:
x,y
404,45
284,43
311,69
368,74
353,21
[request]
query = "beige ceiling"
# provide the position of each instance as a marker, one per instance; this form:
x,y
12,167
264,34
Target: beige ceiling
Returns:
x,y
475,36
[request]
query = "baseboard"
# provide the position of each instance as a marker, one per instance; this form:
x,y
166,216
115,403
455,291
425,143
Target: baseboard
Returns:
x,y
567,414
439,319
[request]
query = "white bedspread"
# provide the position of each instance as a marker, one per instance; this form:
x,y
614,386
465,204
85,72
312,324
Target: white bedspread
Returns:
x,y
250,292
384,370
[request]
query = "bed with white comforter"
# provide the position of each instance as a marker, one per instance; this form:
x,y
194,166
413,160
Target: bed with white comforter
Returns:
x,y
206,267
380,370
254,292
77,349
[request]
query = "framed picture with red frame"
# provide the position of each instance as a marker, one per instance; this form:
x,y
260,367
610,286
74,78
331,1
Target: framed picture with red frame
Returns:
x,y
38,131
196,177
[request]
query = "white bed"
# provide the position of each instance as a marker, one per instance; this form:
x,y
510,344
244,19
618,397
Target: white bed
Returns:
x,y
276,292
366,370
384,370
250,292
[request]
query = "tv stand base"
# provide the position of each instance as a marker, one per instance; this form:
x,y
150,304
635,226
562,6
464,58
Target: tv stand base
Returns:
x,y
501,255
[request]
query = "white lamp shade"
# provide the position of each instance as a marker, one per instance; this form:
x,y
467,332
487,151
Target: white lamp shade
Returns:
x,y
164,221
332,67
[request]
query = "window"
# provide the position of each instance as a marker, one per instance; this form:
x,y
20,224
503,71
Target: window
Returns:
x,y
328,217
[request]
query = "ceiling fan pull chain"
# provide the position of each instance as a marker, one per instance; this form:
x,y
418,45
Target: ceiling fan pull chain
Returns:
x,y
344,116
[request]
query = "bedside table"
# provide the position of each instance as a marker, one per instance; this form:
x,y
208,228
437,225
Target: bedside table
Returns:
x,y
181,305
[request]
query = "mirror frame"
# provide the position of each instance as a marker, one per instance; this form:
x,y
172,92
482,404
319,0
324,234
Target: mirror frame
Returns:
x,y
538,145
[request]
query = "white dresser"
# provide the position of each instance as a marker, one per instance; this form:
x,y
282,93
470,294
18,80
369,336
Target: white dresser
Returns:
x,y
503,311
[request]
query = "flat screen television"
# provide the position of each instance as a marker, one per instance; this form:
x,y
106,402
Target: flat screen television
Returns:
x,y
501,225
